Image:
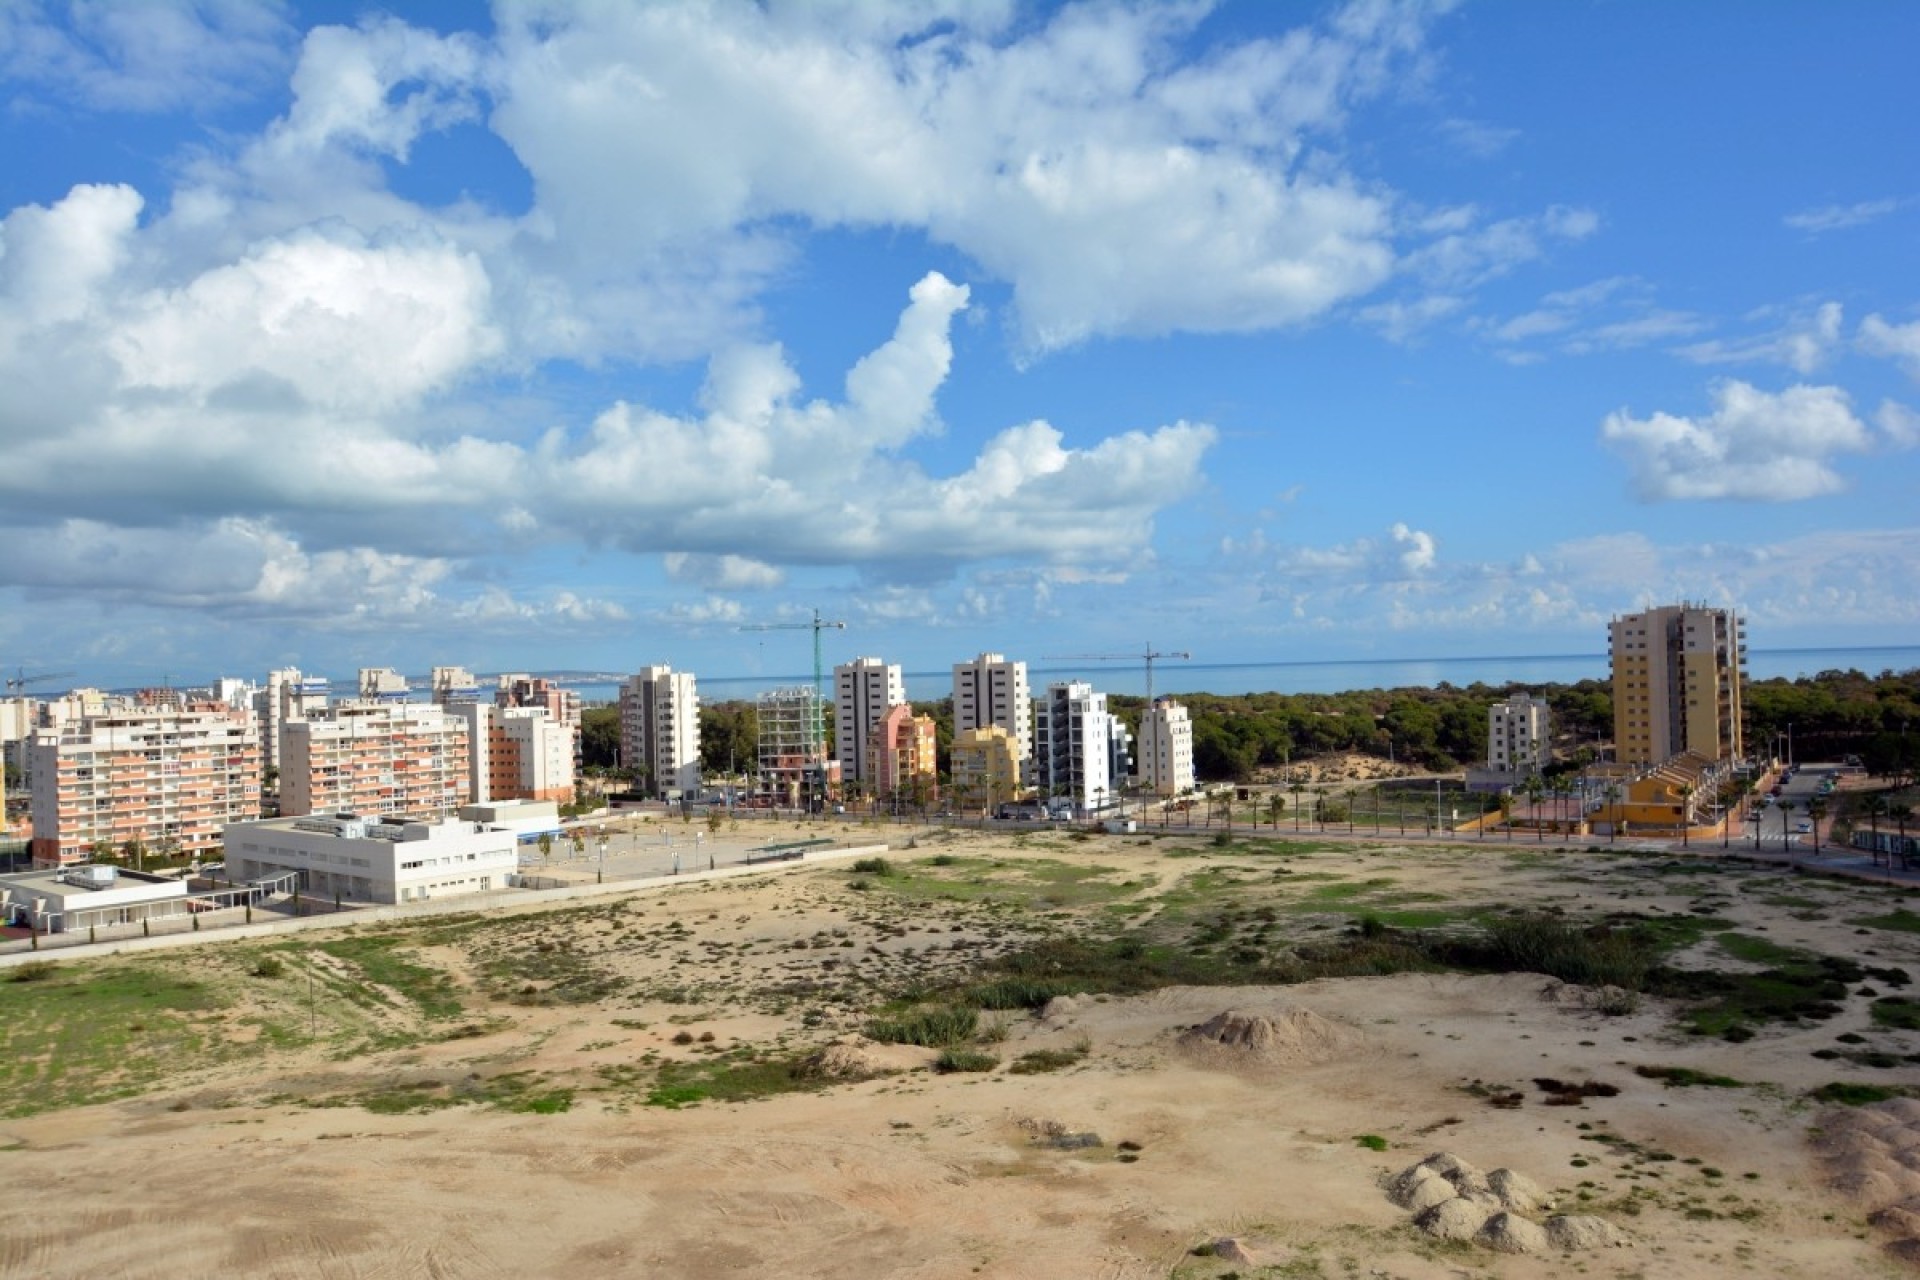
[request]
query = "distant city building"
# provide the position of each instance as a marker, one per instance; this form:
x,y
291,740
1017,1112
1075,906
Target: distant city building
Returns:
x,y
991,690
1164,761
864,690
985,767
366,859
289,695
660,729
900,756
374,757
1677,676
169,779
517,689
1080,749
383,684
453,684
1519,736
516,753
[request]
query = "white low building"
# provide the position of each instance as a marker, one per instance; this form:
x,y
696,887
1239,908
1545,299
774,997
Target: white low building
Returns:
x,y
369,859
69,898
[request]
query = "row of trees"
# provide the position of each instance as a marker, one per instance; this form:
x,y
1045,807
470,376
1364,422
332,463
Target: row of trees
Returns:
x,y
1833,714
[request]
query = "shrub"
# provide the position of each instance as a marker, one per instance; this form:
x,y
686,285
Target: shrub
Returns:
x,y
268,967
872,867
934,1028
1371,1141
33,971
964,1060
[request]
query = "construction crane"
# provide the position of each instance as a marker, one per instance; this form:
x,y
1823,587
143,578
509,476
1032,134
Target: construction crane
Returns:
x,y
20,679
1149,656
816,732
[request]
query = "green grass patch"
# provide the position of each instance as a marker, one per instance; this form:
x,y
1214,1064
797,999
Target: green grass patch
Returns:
x,y
1900,920
1040,1061
933,1027
745,1077
1857,1095
81,1034
960,1059
1687,1078
1371,1141
387,960
1897,1012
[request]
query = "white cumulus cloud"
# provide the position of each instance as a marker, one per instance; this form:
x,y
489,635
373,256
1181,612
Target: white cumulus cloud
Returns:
x,y
1897,342
1755,445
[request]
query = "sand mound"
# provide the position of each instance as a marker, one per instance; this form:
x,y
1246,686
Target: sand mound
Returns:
x,y
1511,1233
1871,1155
1234,1249
1516,1191
1064,1008
1579,1231
1454,1219
854,1058
1293,1037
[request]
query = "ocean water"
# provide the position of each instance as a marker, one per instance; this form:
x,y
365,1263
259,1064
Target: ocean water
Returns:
x,y
1322,677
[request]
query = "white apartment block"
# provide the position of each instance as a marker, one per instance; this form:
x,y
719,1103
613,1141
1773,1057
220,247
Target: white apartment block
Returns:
x,y
864,690
364,859
1519,735
991,690
375,758
1080,749
289,695
170,779
1163,763
383,684
516,753
660,728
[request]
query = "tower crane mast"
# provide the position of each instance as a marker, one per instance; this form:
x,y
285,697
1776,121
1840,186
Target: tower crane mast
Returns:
x,y
20,679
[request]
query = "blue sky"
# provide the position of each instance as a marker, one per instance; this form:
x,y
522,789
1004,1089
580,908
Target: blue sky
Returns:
x,y
570,335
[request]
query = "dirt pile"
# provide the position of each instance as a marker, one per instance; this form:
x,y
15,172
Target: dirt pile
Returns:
x,y
1871,1155
852,1058
1452,1200
1293,1037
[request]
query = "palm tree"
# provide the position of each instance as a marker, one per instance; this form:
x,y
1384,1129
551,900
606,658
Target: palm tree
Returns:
x,y
1276,805
1686,812
1816,810
1613,812
1876,805
1293,785
1533,789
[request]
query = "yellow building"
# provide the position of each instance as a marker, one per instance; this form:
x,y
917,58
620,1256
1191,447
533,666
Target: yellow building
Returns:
x,y
986,767
1677,673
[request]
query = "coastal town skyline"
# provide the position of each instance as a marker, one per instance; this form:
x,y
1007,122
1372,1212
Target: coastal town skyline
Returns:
x,y
567,338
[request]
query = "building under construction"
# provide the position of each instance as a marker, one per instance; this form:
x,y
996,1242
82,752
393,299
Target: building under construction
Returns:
x,y
792,753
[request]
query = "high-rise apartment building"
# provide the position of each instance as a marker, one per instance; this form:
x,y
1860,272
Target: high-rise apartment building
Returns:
x,y
660,728
991,690
168,778
1677,676
1519,735
289,695
864,690
371,757
1081,751
1164,762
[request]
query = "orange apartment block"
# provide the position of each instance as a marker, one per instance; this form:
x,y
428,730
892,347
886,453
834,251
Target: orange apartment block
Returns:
x,y
369,757
901,751
170,778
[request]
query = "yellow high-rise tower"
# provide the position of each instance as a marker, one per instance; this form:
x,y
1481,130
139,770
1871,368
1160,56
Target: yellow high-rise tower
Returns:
x,y
1677,674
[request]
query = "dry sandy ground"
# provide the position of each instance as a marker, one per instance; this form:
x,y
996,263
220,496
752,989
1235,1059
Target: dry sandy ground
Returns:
x,y
924,1175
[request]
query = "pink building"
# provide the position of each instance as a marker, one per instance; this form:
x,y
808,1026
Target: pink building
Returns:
x,y
900,755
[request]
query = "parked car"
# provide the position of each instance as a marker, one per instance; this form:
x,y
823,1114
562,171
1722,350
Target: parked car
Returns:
x,y
1803,825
